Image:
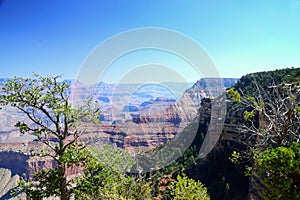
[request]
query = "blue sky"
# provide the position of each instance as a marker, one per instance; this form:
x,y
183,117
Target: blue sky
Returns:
x,y
55,37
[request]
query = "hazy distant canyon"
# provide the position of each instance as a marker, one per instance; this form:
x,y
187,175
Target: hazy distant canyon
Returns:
x,y
133,116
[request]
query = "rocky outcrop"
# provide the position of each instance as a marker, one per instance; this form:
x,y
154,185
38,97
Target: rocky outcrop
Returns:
x,y
16,161
25,166
8,182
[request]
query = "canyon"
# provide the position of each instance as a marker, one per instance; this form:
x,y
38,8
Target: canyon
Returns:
x,y
152,119
140,132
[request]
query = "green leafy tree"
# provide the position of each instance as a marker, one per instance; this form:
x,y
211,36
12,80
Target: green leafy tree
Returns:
x,y
51,118
279,172
105,177
185,188
117,159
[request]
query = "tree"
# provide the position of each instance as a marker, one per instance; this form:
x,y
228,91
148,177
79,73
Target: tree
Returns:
x,y
105,177
271,123
270,115
279,172
185,188
117,159
52,119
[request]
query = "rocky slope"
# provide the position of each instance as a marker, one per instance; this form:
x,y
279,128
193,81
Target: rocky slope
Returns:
x,y
8,181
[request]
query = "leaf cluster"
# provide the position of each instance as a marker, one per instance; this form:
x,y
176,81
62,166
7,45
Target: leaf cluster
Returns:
x,y
279,171
105,179
184,188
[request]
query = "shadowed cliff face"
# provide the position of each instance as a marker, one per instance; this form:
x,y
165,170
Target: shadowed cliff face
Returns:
x,y
225,180
17,162
25,166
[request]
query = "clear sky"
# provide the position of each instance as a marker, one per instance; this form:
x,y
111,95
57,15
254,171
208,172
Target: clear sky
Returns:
x,y
55,36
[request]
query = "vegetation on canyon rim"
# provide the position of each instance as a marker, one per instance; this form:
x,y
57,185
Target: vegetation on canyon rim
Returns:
x,y
270,105
267,103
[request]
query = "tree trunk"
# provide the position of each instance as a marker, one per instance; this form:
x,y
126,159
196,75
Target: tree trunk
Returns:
x,y
64,193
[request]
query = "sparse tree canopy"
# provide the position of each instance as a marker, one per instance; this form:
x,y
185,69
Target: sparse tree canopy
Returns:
x,y
185,188
271,115
52,119
105,178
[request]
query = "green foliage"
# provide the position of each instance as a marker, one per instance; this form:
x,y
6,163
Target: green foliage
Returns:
x,y
95,181
279,172
248,170
247,82
41,189
52,119
226,185
101,180
297,111
104,180
185,161
45,101
235,157
75,155
185,188
273,106
248,115
47,182
117,159
234,95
